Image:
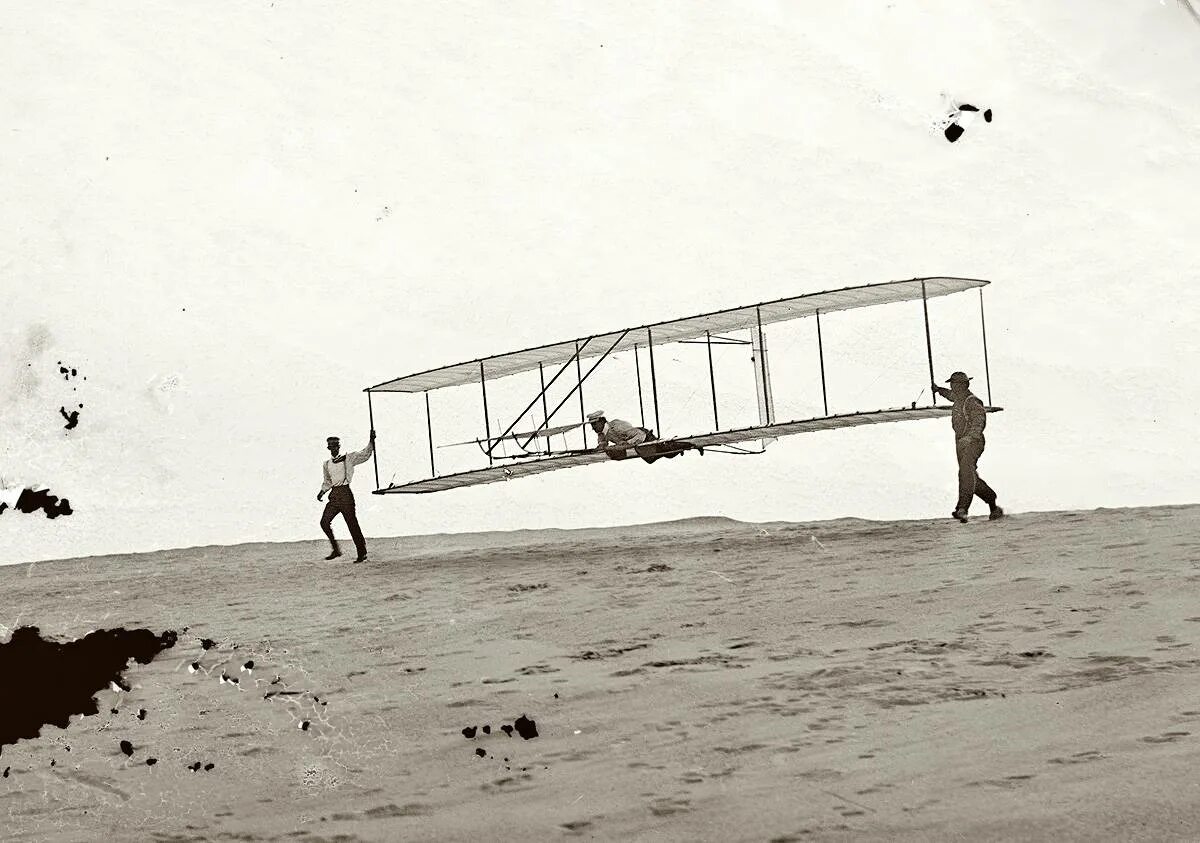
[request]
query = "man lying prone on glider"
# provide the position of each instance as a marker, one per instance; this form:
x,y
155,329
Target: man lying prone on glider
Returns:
x,y
615,437
617,433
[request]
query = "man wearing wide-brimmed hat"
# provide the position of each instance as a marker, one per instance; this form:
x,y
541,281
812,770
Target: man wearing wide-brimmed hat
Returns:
x,y
615,433
968,417
338,472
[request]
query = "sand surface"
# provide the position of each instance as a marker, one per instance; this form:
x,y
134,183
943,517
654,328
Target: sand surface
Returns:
x,y
1035,678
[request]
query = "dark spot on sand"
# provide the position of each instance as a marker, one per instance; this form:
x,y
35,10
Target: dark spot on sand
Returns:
x,y
194,767
207,643
127,747
6,769
480,752
150,762
508,730
141,715
469,732
70,674
487,730
209,766
304,724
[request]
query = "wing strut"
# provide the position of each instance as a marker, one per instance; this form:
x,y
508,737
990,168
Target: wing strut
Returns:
x,y
567,397
929,342
712,380
637,365
821,356
983,324
429,427
653,380
574,359
374,455
487,424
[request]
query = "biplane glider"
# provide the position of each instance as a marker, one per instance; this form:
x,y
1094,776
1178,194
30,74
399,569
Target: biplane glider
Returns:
x,y
531,431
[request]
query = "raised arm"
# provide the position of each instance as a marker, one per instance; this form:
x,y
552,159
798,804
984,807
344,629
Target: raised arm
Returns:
x,y
942,391
360,457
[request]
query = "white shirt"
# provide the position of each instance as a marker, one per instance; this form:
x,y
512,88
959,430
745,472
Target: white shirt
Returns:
x,y
342,472
618,433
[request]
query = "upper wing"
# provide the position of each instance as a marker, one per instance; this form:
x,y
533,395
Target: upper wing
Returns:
x,y
738,318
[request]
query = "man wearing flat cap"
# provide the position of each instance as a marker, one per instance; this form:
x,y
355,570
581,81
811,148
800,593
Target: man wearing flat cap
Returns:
x,y
968,417
339,471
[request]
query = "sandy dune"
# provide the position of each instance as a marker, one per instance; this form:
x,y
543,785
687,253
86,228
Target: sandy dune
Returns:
x,y
1036,678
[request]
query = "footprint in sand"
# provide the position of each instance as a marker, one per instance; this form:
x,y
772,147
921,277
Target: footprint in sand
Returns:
x,y
666,806
1078,758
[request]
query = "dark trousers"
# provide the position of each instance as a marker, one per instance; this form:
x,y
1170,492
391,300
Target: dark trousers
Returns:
x,y
341,500
970,484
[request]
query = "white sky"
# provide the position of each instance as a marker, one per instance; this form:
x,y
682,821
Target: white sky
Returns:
x,y
232,217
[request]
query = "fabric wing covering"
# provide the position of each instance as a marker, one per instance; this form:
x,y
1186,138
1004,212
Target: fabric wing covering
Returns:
x,y
540,465
692,327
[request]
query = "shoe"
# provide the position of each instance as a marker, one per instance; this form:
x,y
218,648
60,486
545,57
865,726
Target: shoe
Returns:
x,y
997,513
362,558
960,515
336,553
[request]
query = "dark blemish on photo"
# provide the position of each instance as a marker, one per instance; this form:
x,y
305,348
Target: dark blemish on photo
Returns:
x,y
209,766
508,730
53,763
487,730
71,417
127,748
207,643
954,131
31,501
150,762
194,767
141,715
526,728
304,724
480,752
468,732
80,668
6,769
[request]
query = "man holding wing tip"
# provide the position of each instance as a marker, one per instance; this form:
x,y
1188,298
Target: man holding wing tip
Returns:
x,y
338,472
968,417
